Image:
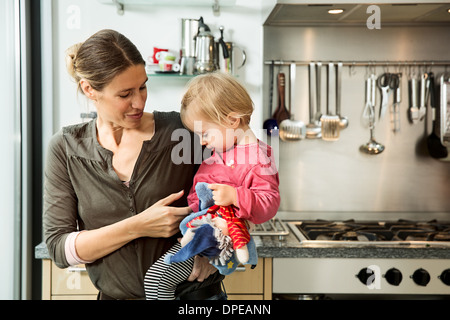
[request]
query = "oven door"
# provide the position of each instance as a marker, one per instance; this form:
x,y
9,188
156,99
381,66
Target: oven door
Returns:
x,y
344,276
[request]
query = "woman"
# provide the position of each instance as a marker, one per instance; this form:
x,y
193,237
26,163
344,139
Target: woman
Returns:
x,y
113,198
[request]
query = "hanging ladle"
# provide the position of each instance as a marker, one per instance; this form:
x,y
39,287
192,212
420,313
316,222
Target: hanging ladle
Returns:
x,y
343,121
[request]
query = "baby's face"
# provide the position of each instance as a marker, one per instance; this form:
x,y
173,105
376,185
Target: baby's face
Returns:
x,y
212,135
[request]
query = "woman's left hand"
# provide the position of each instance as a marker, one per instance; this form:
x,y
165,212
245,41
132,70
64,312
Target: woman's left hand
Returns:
x,y
202,269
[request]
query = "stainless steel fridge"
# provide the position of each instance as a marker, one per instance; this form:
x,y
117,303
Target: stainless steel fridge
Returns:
x,y
16,149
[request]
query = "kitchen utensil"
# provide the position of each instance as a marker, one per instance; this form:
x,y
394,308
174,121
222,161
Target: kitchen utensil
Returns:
x,y
370,99
313,131
383,84
435,148
424,91
229,64
281,113
221,42
414,108
291,130
372,147
205,60
343,121
270,124
395,87
330,122
189,31
187,65
221,52
318,113
445,110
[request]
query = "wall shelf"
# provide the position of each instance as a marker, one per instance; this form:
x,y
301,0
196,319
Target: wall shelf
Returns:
x,y
169,75
214,4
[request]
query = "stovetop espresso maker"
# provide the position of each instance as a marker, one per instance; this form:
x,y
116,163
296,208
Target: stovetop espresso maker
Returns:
x,y
206,50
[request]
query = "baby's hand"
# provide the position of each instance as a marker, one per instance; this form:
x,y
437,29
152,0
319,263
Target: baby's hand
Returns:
x,y
223,195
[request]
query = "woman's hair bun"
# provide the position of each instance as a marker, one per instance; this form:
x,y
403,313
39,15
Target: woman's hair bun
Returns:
x,y
71,55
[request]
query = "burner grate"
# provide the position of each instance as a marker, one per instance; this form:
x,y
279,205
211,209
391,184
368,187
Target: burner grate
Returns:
x,y
273,227
351,230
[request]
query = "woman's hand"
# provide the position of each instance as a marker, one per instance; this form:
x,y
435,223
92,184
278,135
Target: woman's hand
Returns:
x,y
202,269
161,220
223,195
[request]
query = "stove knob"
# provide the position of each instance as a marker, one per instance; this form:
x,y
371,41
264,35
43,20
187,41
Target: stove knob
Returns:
x,y
393,276
421,277
445,277
364,275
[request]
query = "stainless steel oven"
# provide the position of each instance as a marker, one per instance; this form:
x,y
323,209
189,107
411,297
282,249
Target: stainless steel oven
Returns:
x,y
399,258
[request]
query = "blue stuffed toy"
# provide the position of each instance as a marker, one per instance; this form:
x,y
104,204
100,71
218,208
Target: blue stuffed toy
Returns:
x,y
208,240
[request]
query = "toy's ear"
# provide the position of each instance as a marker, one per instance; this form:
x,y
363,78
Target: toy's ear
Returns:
x,y
204,195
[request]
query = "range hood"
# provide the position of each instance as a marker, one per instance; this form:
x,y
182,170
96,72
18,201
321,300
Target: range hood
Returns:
x,y
315,13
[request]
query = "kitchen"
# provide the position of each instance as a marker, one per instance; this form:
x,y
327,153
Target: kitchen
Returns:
x,y
332,180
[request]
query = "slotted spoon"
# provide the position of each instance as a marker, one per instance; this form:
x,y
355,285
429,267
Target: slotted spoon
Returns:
x,y
291,130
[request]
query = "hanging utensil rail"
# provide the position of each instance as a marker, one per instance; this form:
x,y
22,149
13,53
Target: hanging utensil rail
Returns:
x,y
415,63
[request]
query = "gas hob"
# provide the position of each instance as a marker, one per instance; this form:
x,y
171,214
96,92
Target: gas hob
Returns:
x,y
372,233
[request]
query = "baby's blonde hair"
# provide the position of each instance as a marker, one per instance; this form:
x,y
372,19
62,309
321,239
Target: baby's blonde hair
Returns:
x,y
216,95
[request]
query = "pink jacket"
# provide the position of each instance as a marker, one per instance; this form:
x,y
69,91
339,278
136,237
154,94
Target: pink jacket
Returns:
x,y
252,171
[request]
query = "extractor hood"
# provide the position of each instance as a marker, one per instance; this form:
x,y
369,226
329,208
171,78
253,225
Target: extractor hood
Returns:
x,y
315,13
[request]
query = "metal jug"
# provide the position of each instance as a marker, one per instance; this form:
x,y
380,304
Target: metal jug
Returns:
x,y
205,50
225,55
228,64
189,31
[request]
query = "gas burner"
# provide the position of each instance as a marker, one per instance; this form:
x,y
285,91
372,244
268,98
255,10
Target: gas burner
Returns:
x,y
348,235
439,236
374,231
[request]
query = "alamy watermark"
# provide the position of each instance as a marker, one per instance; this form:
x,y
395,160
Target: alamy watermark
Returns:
x,y
188,151
73,281
374,279
374,21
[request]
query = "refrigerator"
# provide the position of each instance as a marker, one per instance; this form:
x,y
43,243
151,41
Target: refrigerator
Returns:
x,y
20,143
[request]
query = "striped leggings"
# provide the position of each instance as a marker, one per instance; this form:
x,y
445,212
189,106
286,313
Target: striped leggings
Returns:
x,y
161,279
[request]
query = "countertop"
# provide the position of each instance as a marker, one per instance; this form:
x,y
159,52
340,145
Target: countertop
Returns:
x,y
290,247
41,251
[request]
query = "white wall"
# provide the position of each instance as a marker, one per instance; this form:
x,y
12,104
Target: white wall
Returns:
x,y
149,26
